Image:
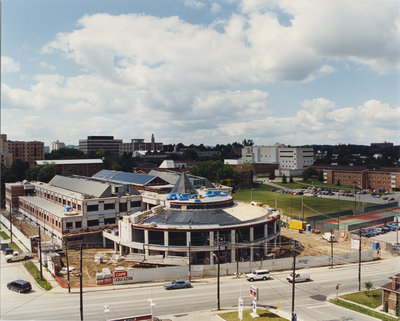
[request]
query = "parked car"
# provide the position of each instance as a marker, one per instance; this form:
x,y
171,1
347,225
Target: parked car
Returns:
x,y
3,246
8,250
20,286
177,284
299,277
258,275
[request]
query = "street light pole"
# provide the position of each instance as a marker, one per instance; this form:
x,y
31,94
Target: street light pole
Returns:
x,y
218,288
359,264
293,279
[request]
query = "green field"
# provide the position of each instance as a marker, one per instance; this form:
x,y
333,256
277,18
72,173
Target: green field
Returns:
x,y
291,204
373,299
264,316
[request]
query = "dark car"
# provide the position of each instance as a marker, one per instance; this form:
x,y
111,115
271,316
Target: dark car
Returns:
x,y
20,286
177,284
8,250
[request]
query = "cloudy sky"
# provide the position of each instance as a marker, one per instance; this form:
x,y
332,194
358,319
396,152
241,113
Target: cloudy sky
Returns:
x,y
294,72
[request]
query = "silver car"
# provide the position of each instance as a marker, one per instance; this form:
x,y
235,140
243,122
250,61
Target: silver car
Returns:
x,y
177,284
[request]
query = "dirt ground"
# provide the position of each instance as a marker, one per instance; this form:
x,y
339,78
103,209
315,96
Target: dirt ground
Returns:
x,y
313,244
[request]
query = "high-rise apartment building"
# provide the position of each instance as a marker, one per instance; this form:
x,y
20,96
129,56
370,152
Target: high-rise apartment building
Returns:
x,y
56,145
26,151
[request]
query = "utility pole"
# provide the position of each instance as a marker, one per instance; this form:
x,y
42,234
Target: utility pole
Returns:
x,y
302,206
331,250
11,225
80,286
190,259
40,254
218,289
293,279
359,264
66,256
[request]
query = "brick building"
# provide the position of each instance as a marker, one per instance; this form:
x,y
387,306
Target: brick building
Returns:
x,y
85,167
387,178
26,151
391,293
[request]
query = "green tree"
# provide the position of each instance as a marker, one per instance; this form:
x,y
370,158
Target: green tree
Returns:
x,y
18,168
272,175
321,176
227,172
338,182
32,173
207,169
46,173
284,180
66,153
386,306
291,179
368,285
308,173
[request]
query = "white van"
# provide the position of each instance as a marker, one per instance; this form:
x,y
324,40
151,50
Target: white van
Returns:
x,y
258,275
300,277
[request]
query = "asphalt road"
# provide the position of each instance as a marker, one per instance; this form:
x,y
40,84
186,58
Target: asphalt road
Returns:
x,y
133,299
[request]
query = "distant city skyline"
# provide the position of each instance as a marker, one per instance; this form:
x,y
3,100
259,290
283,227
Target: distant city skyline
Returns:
x,y
211,72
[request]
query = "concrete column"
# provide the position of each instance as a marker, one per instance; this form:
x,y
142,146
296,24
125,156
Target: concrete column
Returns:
x,y
266,237
188,235
275,230
166,240
146,242
211,236
251,240
120,249
233,248
104,242
115,247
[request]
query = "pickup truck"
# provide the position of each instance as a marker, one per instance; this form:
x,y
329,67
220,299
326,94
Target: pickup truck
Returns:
x,y
16,256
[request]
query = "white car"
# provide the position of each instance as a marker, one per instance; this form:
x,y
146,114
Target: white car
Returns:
x,y
258,275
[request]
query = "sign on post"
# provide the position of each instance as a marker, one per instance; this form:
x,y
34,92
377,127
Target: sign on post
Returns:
x,y
254,292
254,296
240,309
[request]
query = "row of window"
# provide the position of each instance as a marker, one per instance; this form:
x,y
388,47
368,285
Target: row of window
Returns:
x,y
58,199
123,207
51,219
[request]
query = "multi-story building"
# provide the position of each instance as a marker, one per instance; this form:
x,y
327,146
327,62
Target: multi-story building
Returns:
x,y
387,178
94,143
294,160
290,160
138,144
26,151
5,155
56,145
68,207
193,225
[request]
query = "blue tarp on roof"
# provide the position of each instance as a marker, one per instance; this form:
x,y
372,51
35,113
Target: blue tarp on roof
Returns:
x,y
134,178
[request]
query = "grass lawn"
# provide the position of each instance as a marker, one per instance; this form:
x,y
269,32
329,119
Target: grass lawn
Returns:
x,y
14,246
264,316
34,271
373,300
4,235
290,204
366,311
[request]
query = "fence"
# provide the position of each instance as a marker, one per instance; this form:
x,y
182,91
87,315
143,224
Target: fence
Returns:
x,y
370,223
380,206
20,236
